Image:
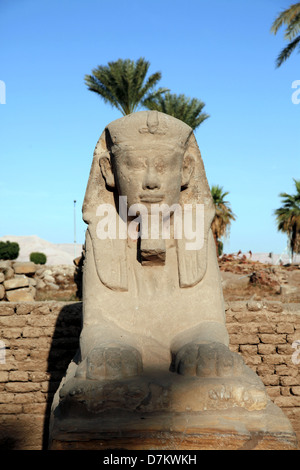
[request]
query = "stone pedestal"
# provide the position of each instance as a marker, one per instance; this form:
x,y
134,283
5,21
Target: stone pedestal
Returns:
x,y
165,411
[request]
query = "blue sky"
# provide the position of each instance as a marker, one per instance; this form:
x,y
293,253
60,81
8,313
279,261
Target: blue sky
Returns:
x,y
218,51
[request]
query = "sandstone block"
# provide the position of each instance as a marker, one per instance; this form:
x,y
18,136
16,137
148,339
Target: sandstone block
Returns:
x,y
287,381
9,273
254,306
273,390
2,277
265,349
35,408
12,321
24,268
293,337
287,402
39,376
248,339
274,306
296,390
40,284
9,333
16,283
24,309
273,338
234,328
10,409
6,397
237,306
5,264
7,309
253,360
285,328
2,291
266,328
274,359
18,376
271,379
285,349
25,398
285,391
3,376
20,295
283,369
22,387
48,279
265,369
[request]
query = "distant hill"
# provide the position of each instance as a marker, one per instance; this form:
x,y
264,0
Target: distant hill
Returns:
x,y
61,253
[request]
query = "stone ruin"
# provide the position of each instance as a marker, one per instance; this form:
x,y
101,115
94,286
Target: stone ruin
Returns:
x,y
27,281
154,370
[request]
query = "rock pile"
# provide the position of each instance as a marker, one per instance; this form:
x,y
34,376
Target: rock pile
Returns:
x,y
26,281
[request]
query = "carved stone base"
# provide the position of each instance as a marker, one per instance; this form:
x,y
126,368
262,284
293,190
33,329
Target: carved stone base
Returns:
x,y
227,430
167,411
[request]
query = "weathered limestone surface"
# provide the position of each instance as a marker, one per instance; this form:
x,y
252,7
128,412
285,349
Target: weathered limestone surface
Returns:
x,y
154,357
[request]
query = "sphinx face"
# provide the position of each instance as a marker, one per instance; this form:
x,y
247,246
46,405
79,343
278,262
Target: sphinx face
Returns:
x,y
149,176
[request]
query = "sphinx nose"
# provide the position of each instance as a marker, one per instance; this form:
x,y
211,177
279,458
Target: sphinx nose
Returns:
x,y
151,180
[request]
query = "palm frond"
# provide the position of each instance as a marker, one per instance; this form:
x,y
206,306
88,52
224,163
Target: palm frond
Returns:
x,y
288,217
122,83
293,28
179,106
224,215
285,17
286,52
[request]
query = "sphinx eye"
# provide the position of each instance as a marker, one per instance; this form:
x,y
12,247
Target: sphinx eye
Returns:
x,y
135,163
160,166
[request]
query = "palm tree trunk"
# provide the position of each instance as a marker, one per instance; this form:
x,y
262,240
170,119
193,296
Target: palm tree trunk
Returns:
x,y
216,243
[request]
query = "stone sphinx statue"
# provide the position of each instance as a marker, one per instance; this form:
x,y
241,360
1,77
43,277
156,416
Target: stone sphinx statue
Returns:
x,y
148,302
154,340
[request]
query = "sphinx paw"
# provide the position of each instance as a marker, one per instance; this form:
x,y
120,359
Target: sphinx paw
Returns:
x,y
113,362
208,360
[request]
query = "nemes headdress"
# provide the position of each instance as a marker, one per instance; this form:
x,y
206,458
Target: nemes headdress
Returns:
x,y
141,130
148,128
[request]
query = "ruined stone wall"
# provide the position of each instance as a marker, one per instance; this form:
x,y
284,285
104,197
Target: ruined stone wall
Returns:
x,y
267,335
40,339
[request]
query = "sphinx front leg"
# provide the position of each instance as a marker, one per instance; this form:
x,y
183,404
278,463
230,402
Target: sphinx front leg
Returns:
x,y
107,354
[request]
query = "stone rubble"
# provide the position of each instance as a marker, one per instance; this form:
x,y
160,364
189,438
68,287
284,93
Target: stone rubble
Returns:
x,y
23,281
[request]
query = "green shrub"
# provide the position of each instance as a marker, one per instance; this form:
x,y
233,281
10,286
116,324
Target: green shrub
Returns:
x,y
38,258
9,250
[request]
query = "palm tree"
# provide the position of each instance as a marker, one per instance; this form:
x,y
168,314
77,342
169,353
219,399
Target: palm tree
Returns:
x,y
288,217
223,216
179,106
291,18
123,83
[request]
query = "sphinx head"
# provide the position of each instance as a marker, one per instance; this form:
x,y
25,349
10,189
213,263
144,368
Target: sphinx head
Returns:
x,y
148,159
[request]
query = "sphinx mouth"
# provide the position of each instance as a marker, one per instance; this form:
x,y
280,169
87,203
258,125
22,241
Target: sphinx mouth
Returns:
x,y
151,198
